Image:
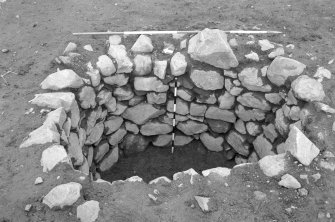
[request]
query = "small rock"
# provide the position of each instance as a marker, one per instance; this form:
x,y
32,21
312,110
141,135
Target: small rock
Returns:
x,y
155,128
308,89
141,113
149,84
282,68
254,101
252,56
182,140
203,203
197,109
38,180
264,70
218,126
75,149
117,137
95,77
281,122
62,79
240,126
259,195
191,127
114,40
249,78
273,98
262,146
185,94
270,132
220,114
88,48
207,99
109,160
162,140
289,181
183,44
119,53
143,44
237,141
207,80
106,65
88,211
156,98
63,195
70,48
87,97
294,113
112,124
249,114
324,107
117,80
277,52
321,73
265,44
95,134
178,64
273,165
212,143
233,43
123,93
226,101
253,129
230,74
28,207
130,127
4,50
160,69
100,151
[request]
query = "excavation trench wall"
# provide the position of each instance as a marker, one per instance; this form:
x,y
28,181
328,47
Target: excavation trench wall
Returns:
x,y
121,102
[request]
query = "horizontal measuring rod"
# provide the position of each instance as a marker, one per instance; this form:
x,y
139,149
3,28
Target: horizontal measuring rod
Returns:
x,y
173,32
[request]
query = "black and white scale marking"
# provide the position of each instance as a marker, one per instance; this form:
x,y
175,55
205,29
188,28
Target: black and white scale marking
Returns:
x,y
174,113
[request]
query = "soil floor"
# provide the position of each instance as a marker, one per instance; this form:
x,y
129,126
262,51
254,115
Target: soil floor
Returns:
x,y
35,32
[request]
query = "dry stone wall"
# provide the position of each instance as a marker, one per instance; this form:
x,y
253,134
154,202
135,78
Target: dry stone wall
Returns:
x,y
123,101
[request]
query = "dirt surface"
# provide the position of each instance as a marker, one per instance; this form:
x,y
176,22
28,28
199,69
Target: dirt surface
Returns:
x,y
35,32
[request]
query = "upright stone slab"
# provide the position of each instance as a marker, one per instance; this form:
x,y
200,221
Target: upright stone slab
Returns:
x,y
211,46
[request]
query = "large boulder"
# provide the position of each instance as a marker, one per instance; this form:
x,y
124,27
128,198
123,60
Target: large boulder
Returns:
x,y
250,79
141,113
62,79
301,147
214,112
207,80
282,68
63,195
211,46
308,89
149,84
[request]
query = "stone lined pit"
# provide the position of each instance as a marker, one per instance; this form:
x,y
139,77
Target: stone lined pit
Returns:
x,y
236,103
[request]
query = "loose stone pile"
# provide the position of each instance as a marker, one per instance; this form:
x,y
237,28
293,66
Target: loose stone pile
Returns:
x,y
124,101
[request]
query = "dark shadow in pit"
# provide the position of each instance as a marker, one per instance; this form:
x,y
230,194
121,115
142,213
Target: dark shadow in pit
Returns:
x,y
155,162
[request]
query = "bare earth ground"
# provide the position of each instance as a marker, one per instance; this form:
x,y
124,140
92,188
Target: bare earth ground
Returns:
x,y
37,31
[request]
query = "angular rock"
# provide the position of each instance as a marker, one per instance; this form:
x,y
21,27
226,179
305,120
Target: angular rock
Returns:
x,y
95,77
191,127
117,137
250,114
294,113
87,97
282,68
321,73
185,94
211,46
62,79
114,40
105,65
100,151
273,98
63,195
141,113
112,124
240,126
254,101
182,140
142,44
88,211
270,132
54,100
289,181
226,101
160,68
92,118
103,97
273,165
230,74
207,99
70,48
143,65
220,114
277,52
136,100
178,64
218,126
181,107
162,140
301,147
155,128
265,44
123,93
262,146
250,80
235,91
197,109
149,84
220,171
52,156
281,122
253,157
308,89
119,53
253,128
207,80
252,56
204,203
212,143
75,150
237,141
96,134
131,127
88,48
134,143
110,159
117,80
156,98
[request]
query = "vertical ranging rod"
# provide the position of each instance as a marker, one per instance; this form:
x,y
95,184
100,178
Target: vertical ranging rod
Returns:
x,y
174,113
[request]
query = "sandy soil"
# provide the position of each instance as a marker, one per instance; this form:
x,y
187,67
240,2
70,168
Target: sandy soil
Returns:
x,y
37,31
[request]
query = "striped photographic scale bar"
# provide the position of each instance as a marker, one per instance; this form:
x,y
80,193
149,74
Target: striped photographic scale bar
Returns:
x,y
174,113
